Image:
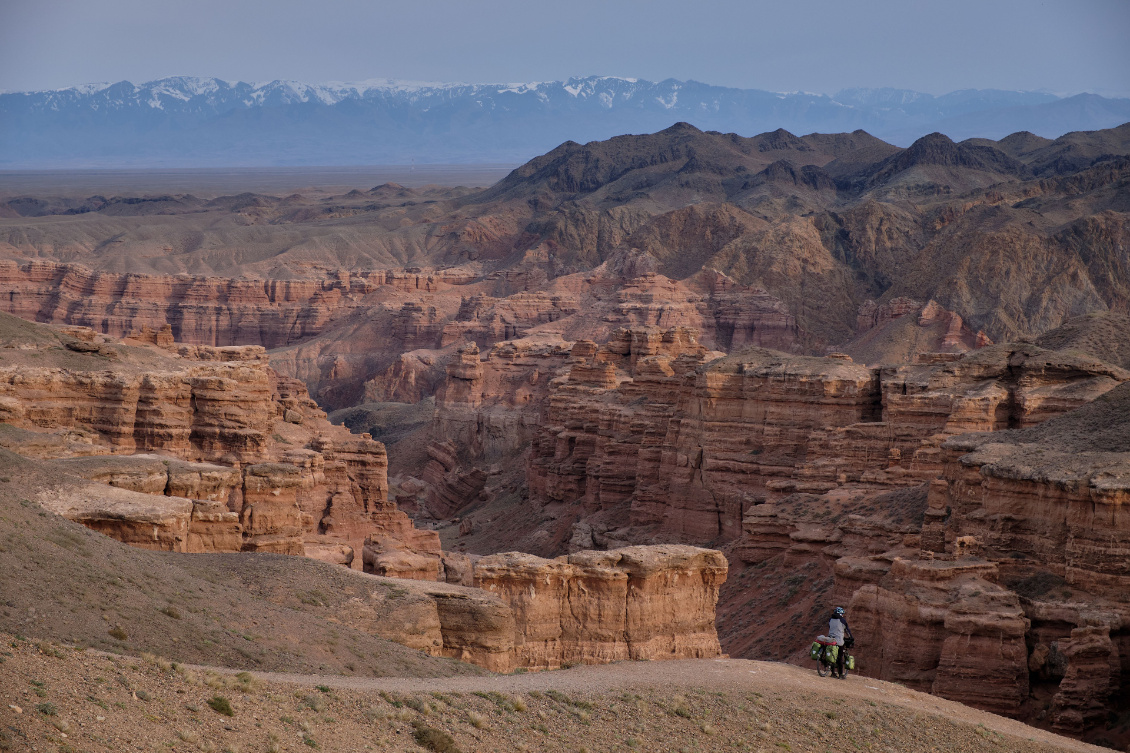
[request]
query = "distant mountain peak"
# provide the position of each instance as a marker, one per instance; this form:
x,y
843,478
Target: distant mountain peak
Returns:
x,y
200,121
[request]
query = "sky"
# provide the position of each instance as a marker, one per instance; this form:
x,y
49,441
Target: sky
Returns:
x,y
1061,46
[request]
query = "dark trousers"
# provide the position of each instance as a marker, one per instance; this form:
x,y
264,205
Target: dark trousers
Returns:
x,y
841,657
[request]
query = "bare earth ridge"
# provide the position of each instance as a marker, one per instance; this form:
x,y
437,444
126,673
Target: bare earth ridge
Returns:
x,y
58,697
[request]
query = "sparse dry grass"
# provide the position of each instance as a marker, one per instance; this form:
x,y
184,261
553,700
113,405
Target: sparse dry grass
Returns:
x,y
552,720
221,705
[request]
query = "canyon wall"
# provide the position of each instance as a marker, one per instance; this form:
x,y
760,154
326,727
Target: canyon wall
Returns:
x,y
201,310
386,334
691,441
204,449
1007,590
253,456
867,476
1047,505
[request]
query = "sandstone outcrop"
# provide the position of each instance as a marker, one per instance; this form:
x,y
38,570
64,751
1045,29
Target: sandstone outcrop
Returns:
x,y
652,431
147,521
398,549
491,406
946,628
387,334
592,607
1047,505
642,603
253,457
1008,592
1052,496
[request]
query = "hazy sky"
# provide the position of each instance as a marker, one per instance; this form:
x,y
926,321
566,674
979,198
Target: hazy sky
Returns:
x,y
1065,46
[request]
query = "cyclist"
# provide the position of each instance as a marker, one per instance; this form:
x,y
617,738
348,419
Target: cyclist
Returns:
x,y
839,631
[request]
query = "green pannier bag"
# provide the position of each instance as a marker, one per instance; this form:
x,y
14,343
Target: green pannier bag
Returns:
x,y
830,655
849,662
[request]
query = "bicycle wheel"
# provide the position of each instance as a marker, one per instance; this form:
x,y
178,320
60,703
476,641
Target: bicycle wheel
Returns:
x,y
822,669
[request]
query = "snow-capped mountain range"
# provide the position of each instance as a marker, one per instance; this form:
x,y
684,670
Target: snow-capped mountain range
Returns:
x,y
188,121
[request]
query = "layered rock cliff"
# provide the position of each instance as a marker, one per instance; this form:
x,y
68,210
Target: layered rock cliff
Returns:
x,y
690,444
1047,506
637,603
201,310
387,334
1005,588
244,458
203,449
799,463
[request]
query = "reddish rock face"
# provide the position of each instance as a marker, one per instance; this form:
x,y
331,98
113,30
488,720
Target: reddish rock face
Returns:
x,y
490,404
643,603
258,463
1047,506
650,427
945,628
147,521
198,310
695,443
387,334
592,607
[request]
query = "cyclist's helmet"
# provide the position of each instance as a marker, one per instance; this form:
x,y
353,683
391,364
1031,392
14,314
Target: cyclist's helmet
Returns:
x,y
838,612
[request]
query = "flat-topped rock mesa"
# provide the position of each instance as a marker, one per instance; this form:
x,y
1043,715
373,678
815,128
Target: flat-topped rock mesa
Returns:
x,y
635,603
213,429
640,603
691,444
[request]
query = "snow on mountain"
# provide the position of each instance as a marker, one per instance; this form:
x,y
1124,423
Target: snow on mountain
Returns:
x,y
193,121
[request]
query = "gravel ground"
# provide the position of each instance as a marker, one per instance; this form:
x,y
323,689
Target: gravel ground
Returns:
x,y
55,698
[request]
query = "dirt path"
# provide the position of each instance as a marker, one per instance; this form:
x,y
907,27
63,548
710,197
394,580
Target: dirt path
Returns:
x,y
60,699
725,675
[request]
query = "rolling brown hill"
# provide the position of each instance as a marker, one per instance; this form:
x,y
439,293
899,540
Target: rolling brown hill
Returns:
x,y
1015,236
